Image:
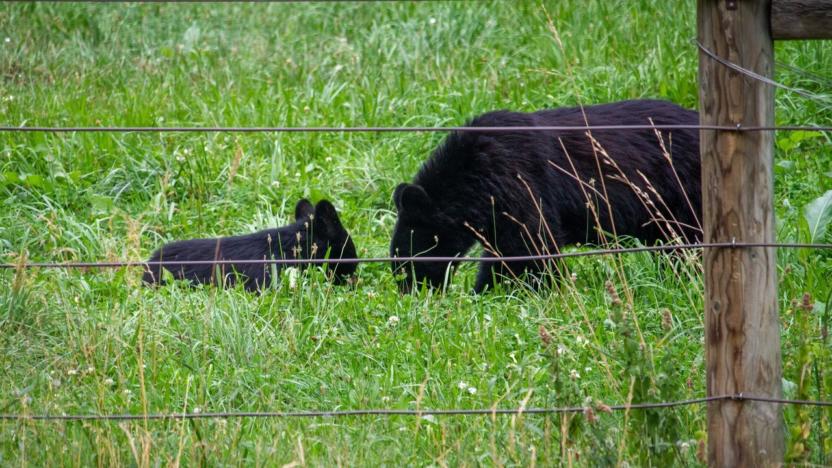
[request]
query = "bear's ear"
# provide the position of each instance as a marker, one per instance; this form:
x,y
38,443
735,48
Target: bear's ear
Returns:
x,y
413,199
397,195
326,222
303,209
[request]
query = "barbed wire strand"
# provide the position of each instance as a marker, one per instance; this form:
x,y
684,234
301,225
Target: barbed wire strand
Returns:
x,y
545,128
809,75
319,261
597,408
754,75
784,401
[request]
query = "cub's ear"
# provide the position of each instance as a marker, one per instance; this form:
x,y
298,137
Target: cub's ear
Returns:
x,y
303,209
326,221
397,195
413,199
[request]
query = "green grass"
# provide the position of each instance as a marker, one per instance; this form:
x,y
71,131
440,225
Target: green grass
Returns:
x,y
98,342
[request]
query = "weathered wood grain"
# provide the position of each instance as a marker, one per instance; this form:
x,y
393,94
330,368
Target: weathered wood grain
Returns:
x,y
741,322
801,19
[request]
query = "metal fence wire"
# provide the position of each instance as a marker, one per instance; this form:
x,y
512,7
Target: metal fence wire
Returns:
x,y
598,407
495,259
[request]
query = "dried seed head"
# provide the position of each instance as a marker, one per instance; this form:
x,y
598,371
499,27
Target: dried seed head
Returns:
x,y
545,337
807,304
590,415
601,407
616,300
667,319
702,451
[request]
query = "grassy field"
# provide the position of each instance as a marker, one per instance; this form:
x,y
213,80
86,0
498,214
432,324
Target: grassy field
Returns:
x,y
98,342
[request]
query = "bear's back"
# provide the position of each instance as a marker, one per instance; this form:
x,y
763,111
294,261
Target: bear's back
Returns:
x,y
469,168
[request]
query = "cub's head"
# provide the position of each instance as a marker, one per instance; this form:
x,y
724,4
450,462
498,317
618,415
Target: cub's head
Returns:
x,y
328,236
421,230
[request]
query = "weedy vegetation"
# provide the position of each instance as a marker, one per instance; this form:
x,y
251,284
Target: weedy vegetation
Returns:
x,y
613,330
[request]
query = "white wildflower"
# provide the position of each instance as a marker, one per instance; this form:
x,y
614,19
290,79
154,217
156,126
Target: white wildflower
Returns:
x,y
574,375
109,382
293,277
72,372
7,40
197,410
462,385
392,321
432,21
472,390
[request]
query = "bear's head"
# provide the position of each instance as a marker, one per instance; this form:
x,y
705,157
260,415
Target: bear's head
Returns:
x,y
422,230
328,236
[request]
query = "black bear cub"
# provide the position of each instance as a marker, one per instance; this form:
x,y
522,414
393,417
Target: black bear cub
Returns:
x,y
521,193
316,233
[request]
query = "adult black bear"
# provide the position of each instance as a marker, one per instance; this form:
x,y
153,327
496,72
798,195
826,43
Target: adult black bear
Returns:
x,y
523,193
316,233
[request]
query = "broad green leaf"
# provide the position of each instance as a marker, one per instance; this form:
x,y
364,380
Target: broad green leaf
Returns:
x,y
785,164
100,203
34,180
167,52
818,214
11,177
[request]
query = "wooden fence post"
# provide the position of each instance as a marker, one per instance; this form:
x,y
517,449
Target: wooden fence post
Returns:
x,y
742,336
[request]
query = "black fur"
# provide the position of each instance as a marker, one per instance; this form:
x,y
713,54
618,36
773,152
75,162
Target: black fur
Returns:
x,y
452,194
316,233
